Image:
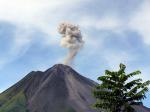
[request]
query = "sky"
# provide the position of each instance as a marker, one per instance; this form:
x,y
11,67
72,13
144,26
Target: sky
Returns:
x,y
114,31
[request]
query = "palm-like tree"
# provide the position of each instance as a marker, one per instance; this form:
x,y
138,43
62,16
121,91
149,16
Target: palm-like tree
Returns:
x,y
117,94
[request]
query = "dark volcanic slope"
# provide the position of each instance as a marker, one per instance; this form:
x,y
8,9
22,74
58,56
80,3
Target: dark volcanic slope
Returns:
x,y
141,109
59,89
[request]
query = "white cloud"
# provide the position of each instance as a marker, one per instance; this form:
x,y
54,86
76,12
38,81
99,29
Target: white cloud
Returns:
x,y
113,58
30,11
140,21
45,15
19,45
104,23
27,15
145,72
39,14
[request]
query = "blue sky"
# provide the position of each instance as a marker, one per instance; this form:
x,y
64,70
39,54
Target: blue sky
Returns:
x,y
114,31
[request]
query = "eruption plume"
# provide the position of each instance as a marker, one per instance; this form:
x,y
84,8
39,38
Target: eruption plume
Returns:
x,y
71,39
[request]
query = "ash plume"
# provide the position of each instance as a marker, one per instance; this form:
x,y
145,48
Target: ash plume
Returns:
x,y
71,39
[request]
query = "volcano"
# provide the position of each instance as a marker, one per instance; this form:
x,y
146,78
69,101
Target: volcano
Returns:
x,y
58,89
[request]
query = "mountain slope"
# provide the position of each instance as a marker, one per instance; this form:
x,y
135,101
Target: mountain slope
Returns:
x,y
141,109
59,89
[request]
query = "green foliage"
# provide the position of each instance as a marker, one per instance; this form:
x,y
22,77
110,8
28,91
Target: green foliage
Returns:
x,y
117,94
4,97
15,104
7,95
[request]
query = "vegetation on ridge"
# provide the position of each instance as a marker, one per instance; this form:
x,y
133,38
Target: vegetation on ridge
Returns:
x,y
15,104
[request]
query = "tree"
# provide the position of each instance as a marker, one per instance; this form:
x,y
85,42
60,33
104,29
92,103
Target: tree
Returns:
x,y
117,94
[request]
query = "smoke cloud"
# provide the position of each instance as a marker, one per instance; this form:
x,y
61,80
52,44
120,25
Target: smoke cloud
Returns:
x,y
71,39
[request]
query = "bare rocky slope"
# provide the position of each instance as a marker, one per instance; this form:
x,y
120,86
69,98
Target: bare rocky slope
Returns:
x,y
60,89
